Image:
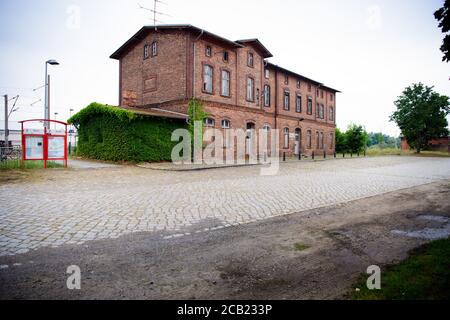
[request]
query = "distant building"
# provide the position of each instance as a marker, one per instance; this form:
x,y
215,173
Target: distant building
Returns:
x,y
14,138
442,144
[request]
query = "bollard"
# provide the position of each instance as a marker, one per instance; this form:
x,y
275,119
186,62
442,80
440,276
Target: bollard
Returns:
x,y
300,155
343,155
334,154
324,154
265,157
284,156
313,155
351,155
364,153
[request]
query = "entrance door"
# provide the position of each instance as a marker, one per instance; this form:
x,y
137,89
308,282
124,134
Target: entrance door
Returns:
x,y
250,139
298,135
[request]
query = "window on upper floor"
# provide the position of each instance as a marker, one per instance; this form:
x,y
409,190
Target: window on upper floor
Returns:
x,y
225,88
298,84
309,87
321,111
286,100
209,122
286,79
146,51
266,128
331,113
267,73
266,95
250,59
298,104
250,89
317,92
331,97
317,110
207,79
154,48
208,51
321,94
225,56
310,105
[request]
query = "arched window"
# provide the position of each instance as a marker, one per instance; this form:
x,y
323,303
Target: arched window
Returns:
x,y
309,139
286,138
317,140
209,122
266,128
322,142
226,124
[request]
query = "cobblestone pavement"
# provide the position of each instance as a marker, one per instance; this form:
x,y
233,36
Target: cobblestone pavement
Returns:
x,y
76,206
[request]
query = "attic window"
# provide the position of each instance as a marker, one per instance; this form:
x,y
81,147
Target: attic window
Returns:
x,y
154,48
225,56
208,51
146,51
250,59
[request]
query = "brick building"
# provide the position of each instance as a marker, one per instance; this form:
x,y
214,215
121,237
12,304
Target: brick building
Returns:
x,y
162,68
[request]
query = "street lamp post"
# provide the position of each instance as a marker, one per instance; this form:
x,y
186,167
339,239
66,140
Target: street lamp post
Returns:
x,y
56,113
47,91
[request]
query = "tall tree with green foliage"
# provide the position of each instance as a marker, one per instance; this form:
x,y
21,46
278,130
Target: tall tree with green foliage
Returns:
x,y
341,144
196,113
356,138
443,17
421,115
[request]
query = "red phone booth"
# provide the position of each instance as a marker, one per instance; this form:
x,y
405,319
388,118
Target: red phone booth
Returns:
x,y
42,144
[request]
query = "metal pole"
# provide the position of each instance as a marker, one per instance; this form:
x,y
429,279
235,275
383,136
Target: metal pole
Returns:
x,y
6,122
46,96
48,102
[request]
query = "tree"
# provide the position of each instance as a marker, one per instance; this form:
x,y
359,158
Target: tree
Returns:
x,y
356,138
421,115
341,144
443,17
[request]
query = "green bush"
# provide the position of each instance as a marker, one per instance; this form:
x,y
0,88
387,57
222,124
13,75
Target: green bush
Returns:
x,y
114,134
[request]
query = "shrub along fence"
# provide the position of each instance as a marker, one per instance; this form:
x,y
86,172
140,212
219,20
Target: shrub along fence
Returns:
x,y
114,134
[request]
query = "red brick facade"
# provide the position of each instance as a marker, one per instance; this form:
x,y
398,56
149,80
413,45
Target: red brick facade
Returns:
x,y
171,75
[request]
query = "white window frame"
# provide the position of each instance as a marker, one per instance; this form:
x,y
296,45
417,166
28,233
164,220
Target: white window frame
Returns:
x,y
225,83
208,86
209,122
250,89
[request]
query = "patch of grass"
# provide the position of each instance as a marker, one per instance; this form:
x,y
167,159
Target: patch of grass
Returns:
x,y
28,165
301,246
425,275
374,152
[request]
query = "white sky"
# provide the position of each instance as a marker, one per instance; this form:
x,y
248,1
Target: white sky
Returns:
x,y
370,50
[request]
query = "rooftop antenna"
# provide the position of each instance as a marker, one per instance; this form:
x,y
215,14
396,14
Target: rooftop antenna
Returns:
x,y
155,11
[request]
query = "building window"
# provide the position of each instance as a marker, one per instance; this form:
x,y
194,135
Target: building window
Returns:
x,y
309,139
154,48
309,87
226,124
225,83
266,128
321,111
317,140
266,95
209,122
321,141
317,110
287,98
286,138
331,141
146,51
250,59
208,79
250,89
286,79
267,73
331,113
310,103
331,97
317,92
321,94
298,84
225,56
208,51
298,104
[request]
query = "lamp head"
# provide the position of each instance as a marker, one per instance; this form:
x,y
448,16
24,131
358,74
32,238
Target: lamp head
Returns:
x,y
53,62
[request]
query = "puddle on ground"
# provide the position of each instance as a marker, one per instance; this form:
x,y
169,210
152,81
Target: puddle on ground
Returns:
x,y
428,233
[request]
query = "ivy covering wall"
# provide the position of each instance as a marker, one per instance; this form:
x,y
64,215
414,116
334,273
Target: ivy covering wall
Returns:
x,y
114,134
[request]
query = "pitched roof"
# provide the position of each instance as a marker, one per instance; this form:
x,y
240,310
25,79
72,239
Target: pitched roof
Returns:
x,y
142,33
266,53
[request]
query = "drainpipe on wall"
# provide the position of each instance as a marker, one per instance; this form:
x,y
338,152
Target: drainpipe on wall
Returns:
x,y
195,67
276,98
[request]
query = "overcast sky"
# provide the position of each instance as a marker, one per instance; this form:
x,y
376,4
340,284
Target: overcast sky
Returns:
x,y
370,50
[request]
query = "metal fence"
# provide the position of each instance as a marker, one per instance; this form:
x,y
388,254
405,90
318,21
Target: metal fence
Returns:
x,y
10,153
